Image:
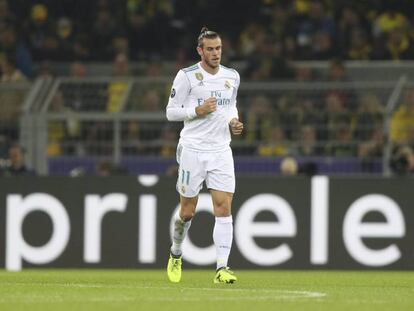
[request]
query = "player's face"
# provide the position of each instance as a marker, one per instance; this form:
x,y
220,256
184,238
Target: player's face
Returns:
x,y
210,52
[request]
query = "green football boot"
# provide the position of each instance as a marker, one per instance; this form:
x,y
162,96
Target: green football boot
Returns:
x,y
174,268
224,276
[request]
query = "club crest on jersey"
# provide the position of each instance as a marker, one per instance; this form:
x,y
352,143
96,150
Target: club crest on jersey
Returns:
x,y
199,76
227,85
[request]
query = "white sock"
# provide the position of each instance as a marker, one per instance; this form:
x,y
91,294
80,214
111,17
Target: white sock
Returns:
x,y
223,238
180,231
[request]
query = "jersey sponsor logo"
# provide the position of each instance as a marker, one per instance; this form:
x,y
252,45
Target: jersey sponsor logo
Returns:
x,y
173,93
220,99
223,101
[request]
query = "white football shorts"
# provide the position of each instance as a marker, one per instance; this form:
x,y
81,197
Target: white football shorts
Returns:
x,y
215,168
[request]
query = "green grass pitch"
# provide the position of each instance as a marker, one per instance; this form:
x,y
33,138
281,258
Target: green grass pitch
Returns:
x,y
255,291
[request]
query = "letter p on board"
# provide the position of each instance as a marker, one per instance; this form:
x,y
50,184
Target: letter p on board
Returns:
x,y
16,247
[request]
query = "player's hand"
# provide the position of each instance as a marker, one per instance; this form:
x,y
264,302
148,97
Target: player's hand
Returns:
x,y
236,126
209,105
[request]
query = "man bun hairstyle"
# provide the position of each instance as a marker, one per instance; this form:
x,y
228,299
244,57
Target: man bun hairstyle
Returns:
x,y
205,33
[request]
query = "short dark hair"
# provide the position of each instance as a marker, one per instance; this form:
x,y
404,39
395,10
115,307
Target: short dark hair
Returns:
x,y
208,34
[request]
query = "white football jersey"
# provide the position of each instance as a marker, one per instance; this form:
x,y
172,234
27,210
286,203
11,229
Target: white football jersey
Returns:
x,y
191,87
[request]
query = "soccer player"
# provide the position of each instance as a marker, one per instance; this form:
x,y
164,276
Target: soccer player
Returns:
x,y
204,97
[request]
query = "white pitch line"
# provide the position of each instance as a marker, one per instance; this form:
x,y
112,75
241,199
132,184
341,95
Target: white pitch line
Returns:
x,y
260,294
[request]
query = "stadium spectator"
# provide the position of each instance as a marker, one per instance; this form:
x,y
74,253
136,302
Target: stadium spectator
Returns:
x,y
315,21
280,21
45,71
337,73
398,45
370,150
392,18
78,70
4,148
82,96
103,32
161,42
120,44
12,45
275,143
350,22
154,71
11,99
289,166
369,117
17,166
342,143
63,136
121,65
308,168
151,101
359,47
259,119
313,113
322,46
290,114
106,168
131,143
97,138
335,115
40,33
231,55
169,137
117,88
308,144
268,62
402,120
6,16
402,161
304,74
9,70
250,38
144,140
64,36
172,170
81,49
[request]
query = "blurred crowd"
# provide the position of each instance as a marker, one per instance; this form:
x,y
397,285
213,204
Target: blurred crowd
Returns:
x,y
336,121
266,35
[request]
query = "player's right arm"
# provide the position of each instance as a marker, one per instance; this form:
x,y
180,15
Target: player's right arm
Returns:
x,y
178,108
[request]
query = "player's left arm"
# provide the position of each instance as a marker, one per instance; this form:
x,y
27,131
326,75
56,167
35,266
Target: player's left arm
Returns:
x,y
233,117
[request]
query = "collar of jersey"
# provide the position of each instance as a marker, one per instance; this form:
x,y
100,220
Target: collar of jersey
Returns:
x,y
206,72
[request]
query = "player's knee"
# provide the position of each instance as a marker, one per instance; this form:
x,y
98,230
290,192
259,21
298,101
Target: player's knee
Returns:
x,y
187,215
188,207
222,209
